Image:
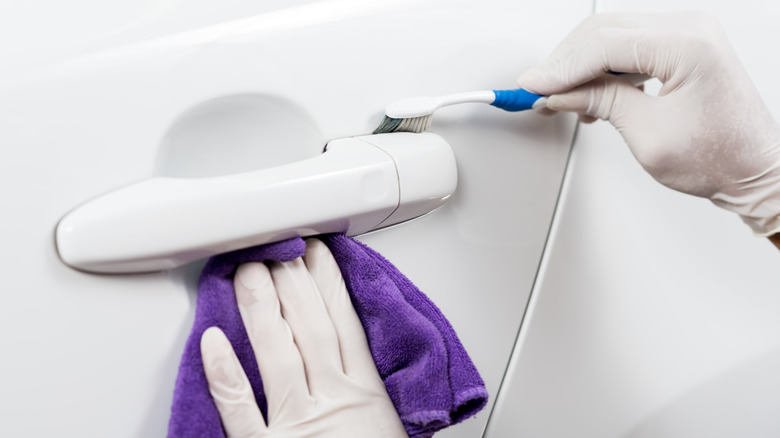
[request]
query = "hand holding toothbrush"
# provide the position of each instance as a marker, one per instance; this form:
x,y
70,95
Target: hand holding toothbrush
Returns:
x,y
707,133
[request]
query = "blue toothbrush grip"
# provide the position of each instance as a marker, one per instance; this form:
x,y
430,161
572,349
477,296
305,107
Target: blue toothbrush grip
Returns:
x,y
514,100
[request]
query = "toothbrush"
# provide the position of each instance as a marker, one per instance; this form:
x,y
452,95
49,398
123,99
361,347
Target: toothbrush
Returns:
x,y
415,113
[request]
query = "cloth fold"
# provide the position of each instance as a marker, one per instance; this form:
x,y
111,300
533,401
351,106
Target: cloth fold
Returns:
x,y
427,372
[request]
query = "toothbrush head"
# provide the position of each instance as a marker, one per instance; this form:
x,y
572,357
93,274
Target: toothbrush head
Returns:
x,y
414,114
413,124
409,115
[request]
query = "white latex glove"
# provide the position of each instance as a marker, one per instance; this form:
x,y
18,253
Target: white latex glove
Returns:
x,y
318,374
707,133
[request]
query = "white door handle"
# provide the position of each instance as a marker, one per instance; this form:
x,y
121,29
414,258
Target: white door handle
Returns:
x,y
357,185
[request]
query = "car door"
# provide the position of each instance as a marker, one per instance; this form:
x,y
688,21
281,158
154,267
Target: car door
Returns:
x,y
655,314
95,96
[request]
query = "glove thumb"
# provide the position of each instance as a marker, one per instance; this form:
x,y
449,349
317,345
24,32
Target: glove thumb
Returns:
x,y
638,117
609,98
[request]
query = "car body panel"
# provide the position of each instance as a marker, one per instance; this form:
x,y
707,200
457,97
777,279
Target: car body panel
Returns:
x,y
94,102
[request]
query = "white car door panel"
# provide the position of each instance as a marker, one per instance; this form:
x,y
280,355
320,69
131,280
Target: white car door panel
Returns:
x,y
94,102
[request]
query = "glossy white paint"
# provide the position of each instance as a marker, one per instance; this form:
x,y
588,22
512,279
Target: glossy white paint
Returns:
x,y
359,184
656,313
90,102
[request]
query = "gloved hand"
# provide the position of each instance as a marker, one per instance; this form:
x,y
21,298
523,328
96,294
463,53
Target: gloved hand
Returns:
x,y
318,374
707,133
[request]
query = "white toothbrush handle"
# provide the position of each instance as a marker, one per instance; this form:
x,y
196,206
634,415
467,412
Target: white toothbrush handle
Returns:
x,y
486,96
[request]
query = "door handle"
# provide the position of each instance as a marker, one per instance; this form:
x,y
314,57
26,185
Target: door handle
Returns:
x,y
357,185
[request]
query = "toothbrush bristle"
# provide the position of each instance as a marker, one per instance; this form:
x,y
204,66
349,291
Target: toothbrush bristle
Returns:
x,y
388,124
413,124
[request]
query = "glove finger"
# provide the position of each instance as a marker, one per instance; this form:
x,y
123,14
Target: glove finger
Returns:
x,y
594,22
230,387
280,363
625,50
529,79
641,119
584,118
355,354
545,111
305,312
607,98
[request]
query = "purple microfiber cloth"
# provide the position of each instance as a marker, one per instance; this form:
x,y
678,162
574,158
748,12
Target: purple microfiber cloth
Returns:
x,y
429,377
